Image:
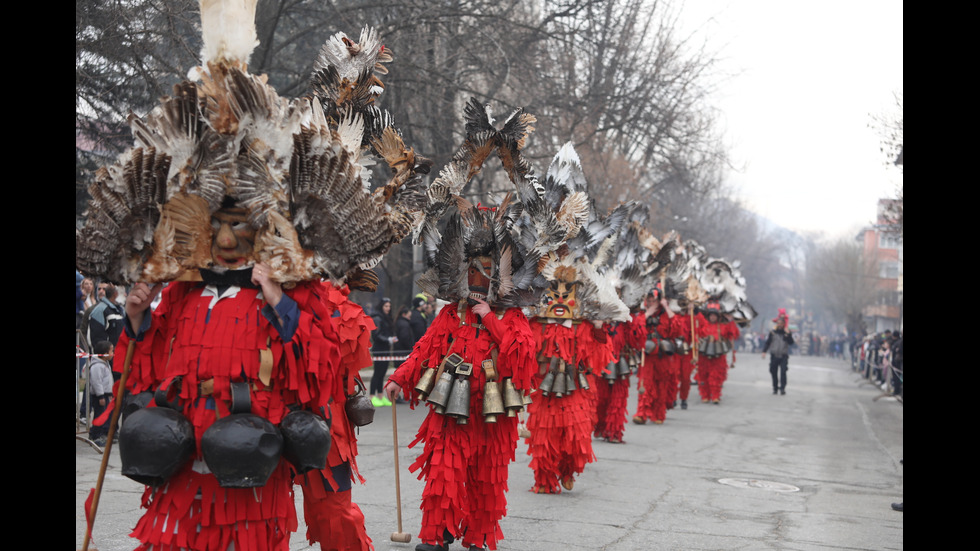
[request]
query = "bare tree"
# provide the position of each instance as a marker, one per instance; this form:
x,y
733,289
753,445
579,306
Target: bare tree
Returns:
x,y
613,76
889,126
841,282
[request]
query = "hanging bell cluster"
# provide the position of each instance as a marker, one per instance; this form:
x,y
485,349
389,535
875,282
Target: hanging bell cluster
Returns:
x,y
713,348
448,387
682,346
562,379
242,449
620,369
664,346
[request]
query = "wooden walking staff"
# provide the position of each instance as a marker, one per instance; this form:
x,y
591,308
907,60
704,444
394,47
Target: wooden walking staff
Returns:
x,y
399,536
694,336
90,521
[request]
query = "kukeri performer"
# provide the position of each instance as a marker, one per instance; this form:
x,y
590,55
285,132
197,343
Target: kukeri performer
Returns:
x,y
722,281
236,326
244,341
333,520
612,388
572,348
474,363
659,370
689,322
716,339
466,454
571,351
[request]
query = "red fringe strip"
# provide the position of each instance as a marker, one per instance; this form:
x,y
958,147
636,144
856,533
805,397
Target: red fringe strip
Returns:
x,y
333,520
192,512
561,438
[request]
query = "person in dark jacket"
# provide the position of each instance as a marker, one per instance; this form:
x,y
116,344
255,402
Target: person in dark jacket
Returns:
x,y
777,345
403,330
418,322
383,340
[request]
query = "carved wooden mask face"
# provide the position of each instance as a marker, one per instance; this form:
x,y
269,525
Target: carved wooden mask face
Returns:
x,y
478,278
559,301
234,238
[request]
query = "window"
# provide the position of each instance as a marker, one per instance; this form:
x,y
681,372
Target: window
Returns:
x,y
888,240
888,269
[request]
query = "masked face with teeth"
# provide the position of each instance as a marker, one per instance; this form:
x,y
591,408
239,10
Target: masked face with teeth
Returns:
x,y
558,302
478,278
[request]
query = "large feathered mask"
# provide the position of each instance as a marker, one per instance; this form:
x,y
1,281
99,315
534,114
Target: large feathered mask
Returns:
x,y
576,288
723,281
477,256
296,169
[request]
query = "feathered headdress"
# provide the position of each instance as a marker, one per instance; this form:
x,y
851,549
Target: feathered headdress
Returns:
x,y
297,167
572,269
723,281
639,259
475,233
683,276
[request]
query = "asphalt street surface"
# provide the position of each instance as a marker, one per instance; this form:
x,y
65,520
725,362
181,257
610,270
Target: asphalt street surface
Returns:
x,y
815,469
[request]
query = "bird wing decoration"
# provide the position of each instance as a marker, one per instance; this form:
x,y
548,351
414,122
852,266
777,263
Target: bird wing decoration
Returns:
x,y
724,282
565,230
298,167
475,231
556,210
683,275
639,258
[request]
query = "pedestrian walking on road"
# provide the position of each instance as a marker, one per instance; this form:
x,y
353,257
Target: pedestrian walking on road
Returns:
x,y
777,345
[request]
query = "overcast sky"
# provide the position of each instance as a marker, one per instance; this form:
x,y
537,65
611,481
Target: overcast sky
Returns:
x,y
807,77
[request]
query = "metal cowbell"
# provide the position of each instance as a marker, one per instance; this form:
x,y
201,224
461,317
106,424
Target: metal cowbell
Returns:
x,y
459,400
547,382
439,396
611,373
512,399
426,382
493,402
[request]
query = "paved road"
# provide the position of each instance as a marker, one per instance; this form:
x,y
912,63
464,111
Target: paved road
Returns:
x,y
815,469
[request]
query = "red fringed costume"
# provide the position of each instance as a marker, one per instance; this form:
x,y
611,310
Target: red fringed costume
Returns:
x,y
332,519
207,340
625,339
656,373
713,370
560,444
685,358
465,465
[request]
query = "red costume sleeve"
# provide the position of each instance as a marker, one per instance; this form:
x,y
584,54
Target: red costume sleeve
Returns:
x,y
593,349
517,344
638,331
354,330
429,350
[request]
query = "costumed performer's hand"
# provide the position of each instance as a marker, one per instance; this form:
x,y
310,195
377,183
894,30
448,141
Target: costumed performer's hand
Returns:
x,y
392,389
138,300
271,290
481,308
666,306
